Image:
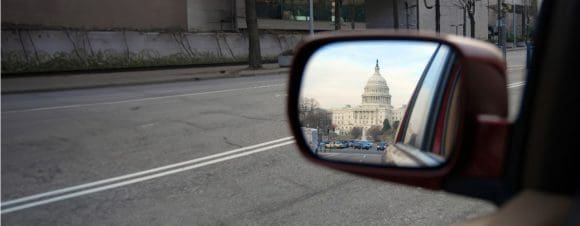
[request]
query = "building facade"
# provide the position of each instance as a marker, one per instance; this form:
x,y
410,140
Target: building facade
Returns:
x,y
229,15
374,109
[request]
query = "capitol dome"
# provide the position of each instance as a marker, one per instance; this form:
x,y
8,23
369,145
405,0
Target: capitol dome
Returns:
x,y
376,92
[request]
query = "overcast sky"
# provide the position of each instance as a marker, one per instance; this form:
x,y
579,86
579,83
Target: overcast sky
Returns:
x,y
337,73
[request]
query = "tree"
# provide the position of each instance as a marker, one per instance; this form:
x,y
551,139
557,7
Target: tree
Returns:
x,y
386,125
375,132
469,7
307,104
254,55
312,116
318,119
356,132
396,125
437,13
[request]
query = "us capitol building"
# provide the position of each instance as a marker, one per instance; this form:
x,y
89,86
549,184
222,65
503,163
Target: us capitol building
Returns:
x,y
374,109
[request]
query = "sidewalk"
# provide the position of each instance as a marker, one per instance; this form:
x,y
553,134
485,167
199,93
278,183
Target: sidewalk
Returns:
x,y
53,82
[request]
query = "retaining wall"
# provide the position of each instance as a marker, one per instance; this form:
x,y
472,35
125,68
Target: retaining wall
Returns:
x,y
62,50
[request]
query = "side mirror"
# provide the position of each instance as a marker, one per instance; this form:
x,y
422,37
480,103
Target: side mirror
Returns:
x,y
350,110
400,106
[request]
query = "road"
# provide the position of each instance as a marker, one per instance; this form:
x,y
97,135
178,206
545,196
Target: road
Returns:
x,y
516,61
371,156
188,153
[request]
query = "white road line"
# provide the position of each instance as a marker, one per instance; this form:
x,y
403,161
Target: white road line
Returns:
x,y
515,67
516,84
127,176
137,100
136,180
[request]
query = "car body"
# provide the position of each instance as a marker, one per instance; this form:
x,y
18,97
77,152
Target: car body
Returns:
x,y
366,145
334,145
381,146
357,144
342,144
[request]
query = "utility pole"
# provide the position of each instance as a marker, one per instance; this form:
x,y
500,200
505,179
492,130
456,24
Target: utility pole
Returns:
x,y
457,28
396,14
337,13
407,7
352,15
514,21
500,28
525,20
438,16
464,21
311,17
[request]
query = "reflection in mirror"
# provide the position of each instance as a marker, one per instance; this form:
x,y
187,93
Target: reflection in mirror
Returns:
x,y
355,94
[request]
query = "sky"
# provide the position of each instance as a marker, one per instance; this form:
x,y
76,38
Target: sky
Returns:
x,y
337,73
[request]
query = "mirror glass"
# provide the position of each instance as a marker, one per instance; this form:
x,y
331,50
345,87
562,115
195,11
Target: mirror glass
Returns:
x,y
355,94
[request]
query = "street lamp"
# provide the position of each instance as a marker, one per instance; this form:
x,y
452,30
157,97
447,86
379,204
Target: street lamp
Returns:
x,y
456,26
407,7
311,22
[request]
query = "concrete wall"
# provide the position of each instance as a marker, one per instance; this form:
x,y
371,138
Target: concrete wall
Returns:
x,y
97,14
56,50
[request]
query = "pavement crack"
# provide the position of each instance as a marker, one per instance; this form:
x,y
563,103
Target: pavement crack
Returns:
x,y
231,143
258,118
191,124
267,209
289,180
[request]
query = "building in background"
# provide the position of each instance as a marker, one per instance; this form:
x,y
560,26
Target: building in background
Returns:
x,y
518,19
48,35
229,15
374,109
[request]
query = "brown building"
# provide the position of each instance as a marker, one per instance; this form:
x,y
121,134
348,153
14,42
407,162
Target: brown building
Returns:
x,y
191,15
97,14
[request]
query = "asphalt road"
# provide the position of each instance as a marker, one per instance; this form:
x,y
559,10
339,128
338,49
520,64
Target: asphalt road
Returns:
x,y
516,61
185,154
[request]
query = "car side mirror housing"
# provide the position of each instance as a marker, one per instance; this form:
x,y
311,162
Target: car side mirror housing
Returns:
x,y
407,107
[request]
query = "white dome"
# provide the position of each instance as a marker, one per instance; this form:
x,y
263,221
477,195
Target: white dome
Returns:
x,y
376,91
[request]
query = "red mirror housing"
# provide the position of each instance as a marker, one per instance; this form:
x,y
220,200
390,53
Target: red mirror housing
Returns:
x,y
475,101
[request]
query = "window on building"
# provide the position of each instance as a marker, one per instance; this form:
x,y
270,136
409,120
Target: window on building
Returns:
x,y
299,10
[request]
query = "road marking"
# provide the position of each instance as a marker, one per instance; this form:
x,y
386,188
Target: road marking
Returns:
x,y
516,84
136,100
88,188
516,67
147,125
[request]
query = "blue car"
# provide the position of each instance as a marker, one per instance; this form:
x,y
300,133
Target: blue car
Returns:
x,y
366,145
357,144
362,145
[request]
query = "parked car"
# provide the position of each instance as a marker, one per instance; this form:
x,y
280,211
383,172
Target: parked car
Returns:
x,y
342,144
357,144
381,146
366,145
334,145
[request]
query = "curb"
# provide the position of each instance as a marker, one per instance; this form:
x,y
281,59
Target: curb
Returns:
x,y
209,76
516,48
